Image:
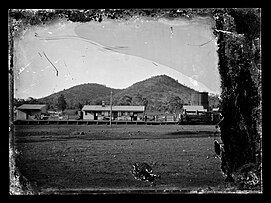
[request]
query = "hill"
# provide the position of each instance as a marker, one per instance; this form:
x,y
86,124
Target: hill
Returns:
x,y
90,93
158,93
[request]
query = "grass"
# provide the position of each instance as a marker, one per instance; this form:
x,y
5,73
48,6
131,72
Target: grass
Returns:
x,y
62,157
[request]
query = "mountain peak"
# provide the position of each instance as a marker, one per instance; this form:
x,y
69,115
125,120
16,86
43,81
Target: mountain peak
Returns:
x,y
160,80
157,90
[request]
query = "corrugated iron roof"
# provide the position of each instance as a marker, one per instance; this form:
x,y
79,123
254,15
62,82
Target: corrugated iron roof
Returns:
x,y
31,106
114,108
193,108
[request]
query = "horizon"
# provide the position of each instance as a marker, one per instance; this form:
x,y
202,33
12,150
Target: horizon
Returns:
x,y
49,59
115,88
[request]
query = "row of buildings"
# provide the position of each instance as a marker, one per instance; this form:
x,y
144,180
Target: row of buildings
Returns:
x,y
199,105
88,112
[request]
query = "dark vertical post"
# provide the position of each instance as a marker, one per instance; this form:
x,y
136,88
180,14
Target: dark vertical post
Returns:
x,y
11,84
111,108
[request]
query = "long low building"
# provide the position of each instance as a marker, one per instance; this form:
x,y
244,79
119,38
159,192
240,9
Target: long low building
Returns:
x,y
30,111
188,109
101,112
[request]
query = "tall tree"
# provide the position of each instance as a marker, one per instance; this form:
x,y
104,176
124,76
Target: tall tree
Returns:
x,y
79,106
61,102
145,102
237,30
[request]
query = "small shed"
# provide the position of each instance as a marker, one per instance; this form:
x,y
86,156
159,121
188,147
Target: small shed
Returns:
x,y
30,111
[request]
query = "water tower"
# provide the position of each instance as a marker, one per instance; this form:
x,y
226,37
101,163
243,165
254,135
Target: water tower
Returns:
x,y
200,99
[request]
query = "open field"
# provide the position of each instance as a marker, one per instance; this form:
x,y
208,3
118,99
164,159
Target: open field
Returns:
x,y
100,157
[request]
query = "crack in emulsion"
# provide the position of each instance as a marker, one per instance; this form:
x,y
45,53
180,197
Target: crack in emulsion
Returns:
x,y
51,63
67,37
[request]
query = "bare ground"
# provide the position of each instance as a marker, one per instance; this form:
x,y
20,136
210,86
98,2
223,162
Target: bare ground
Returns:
x,y
93,158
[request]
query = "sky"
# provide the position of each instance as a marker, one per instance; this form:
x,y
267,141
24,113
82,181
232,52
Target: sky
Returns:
x,y
115,53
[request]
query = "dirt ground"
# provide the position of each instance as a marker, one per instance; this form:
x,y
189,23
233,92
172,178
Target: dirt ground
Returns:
x,y
93,158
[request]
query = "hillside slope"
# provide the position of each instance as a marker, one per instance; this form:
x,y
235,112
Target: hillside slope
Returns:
x,y
157,93
90,93
157,90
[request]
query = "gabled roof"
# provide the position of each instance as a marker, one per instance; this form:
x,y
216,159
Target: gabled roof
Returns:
x,y
31,106
193,108
114,108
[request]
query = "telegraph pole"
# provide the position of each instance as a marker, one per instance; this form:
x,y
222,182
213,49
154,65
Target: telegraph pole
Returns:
x,y
111,108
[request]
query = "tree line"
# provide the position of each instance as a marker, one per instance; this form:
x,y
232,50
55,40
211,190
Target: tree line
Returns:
x,y
171,104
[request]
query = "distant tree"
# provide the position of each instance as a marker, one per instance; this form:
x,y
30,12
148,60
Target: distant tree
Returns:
x,y
70,104
145,102
125,100
18,102
163,107
31,100
61,102
98,101
137,100
86,102
175,104
50,106
80,106
214,101
149,105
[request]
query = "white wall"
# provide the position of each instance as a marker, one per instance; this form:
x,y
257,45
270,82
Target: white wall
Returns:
x,y
89,116
21,115
44,109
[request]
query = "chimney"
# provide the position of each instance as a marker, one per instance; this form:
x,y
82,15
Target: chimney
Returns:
x,y
103,104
